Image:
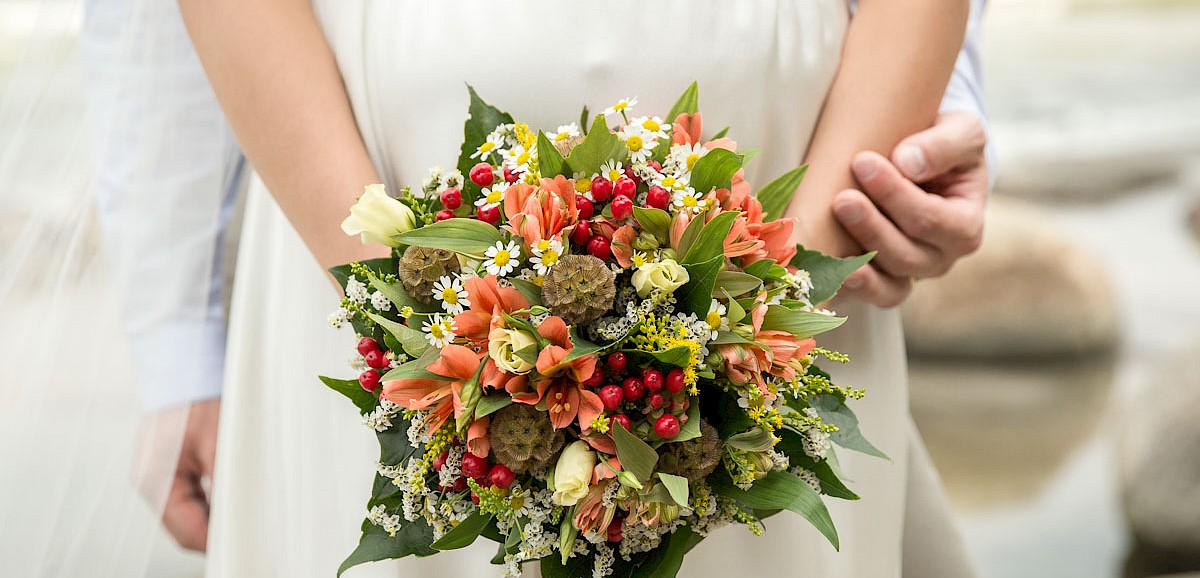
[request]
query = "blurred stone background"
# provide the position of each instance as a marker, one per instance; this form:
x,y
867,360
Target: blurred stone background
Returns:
x,y
1055,374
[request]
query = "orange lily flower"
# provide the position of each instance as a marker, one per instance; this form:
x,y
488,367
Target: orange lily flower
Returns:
x,y
488,301
540,213
561,388
439,394
774,352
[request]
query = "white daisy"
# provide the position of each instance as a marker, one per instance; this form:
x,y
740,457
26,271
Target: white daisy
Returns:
x,y
683,157
545,254
716,318
492,196
612,170
564,132
669,182
517,158
501,260
639,142
639,259
493,144
449,290
438,330
652,125
688,200
622,106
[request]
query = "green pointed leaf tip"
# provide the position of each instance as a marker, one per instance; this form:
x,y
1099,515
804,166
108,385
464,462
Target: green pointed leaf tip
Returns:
x,y
362,399
677,487
733,283
465,533
413,341
696,295
715,170
654,221
800,324
781,490
550,162
463,236
636,456
827,273
598,147
483,119
833,411
778,193
689,103
413,539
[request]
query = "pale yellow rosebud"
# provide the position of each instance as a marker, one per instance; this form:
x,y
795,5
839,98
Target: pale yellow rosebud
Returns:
x,y
503,345
573,473
665,275
376,217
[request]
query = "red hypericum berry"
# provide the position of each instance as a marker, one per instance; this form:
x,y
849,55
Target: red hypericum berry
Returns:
x,y
667,426
602,189
581,234
595,380
501,476
489,215
600,248
612,396
625,187
633,389
444,214
440,461
629,174
653,379
657,166
367,345
376,359
674,381
460,484
482,174
617,361
613,534
656,400
451,198
510,177
474,466
622,208
369,380
475,498
658,197
623,420
585,207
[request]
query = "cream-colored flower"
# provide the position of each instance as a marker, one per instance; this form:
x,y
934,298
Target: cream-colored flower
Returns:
x,y
504,346
666,275
376,217
573,473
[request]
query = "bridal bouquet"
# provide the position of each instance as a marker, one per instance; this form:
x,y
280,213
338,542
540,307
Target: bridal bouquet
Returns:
x,y
592,347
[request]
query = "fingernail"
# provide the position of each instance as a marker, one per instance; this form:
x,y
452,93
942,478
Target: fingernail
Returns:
x,y
848,212
864,167
911,160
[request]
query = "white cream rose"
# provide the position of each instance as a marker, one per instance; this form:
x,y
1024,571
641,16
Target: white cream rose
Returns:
x,y
573,474
504,345
666,275
376,217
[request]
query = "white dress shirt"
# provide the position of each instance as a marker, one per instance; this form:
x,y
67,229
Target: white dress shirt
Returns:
x,y
178,335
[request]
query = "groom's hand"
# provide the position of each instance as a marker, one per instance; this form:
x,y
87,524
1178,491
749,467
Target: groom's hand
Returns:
x,y
174,463
921,210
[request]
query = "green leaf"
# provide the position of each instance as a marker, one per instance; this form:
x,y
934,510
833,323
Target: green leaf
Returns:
x,y
550,161
688,102
714,170
531,292
469,395
598,147
833,411
754,440
415,369
791,444
363,399
464,236
710,241
398,296
413,539
691,429
781,490
696,295
749,155
827,273
778,193
665,561
636,456
677,356
383,265
677,486
567,532
581,346
465,533
553,567
734,283
801,324
689,236
654,221
720,134
413,341
583,124
492,403
394,445
484,118
728,337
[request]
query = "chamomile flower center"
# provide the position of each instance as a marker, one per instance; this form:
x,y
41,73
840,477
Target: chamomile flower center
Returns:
x,y
689,201
543,245
651,125
713,319
691,160
487,146
549,257
634,142
436,330
450,295
668,182
502,257
495,196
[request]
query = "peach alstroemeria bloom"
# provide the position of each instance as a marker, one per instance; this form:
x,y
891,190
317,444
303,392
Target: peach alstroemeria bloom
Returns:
x,y
541,213
488,301
774,352
591,513
622,244
687,129
751,238
561,387
439,394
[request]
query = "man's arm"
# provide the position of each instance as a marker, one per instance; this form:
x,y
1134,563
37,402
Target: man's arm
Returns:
x,y
922,209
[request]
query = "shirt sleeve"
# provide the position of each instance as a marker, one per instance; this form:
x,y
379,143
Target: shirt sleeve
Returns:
x,y
965,91
166,172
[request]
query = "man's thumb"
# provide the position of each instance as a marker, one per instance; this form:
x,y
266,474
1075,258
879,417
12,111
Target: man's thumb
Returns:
x,y
955,141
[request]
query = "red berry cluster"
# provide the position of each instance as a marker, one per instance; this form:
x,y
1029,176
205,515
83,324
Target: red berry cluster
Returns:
x,y
485,473
619,195
653,398
376,359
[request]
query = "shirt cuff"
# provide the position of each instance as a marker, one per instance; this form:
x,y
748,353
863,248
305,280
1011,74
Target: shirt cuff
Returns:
x,y
180,363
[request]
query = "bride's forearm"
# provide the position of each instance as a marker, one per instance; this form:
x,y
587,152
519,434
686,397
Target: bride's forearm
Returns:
x,y
896,63
280,87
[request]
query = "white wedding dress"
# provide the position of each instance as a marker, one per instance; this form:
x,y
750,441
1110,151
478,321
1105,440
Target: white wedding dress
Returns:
x,y
295,465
